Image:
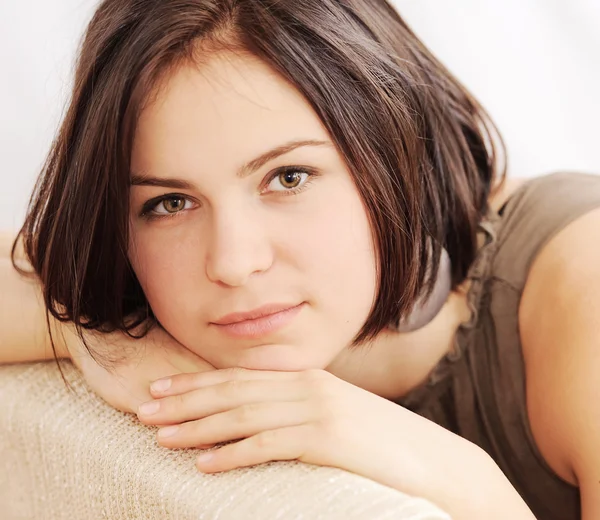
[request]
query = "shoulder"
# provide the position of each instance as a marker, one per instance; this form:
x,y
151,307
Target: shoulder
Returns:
x,y
559,321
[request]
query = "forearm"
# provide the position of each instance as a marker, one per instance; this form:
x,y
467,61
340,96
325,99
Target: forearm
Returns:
x,y
458,476
471,486
24,333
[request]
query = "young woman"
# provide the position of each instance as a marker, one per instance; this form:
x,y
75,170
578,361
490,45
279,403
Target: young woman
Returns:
x,y
301,216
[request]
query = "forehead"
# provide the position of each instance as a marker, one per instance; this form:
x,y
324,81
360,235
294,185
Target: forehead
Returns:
x,y
231,101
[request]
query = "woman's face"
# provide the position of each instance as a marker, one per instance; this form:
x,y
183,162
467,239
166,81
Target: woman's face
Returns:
x,y
239,200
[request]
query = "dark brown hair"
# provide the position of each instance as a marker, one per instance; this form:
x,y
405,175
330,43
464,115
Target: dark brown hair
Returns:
x,y
420,148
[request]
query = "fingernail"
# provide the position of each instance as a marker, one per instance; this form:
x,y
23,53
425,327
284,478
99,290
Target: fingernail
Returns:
x,y
205,457
149,408
161,385
168,431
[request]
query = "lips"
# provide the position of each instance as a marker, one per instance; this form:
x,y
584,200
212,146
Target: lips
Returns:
x,y
260,312
264,321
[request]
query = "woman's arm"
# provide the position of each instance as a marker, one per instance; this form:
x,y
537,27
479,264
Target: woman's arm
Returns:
x,y
560,327
124,385
24,337
23,330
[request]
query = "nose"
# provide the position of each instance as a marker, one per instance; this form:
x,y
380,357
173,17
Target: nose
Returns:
x,y
239,246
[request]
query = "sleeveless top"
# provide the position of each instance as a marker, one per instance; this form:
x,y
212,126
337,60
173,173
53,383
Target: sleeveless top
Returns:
x,y
478,390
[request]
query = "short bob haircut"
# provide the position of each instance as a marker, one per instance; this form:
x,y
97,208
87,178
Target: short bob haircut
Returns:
x,y
419,147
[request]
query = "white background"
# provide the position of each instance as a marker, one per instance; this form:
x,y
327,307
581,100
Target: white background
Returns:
x,y
534,64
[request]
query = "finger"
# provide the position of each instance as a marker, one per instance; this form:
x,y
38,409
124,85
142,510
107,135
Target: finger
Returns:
x,y
181,383
221,397
243,422
280,444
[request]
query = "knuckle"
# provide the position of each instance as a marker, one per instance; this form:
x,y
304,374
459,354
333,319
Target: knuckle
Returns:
x,y
236,372
176,402
247,413
232,388
266,439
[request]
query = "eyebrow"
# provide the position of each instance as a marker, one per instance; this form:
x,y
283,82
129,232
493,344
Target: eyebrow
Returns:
x,y
142,179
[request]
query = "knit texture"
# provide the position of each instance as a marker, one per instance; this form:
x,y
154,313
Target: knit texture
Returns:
x,y
69,455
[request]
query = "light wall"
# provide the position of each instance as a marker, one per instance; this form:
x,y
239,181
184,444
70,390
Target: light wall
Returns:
x,y
535,65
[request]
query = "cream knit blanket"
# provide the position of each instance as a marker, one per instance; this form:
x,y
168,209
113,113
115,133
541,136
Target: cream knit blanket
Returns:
x,y
71,456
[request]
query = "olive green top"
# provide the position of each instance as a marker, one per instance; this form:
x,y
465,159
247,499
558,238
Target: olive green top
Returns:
x,y
478,391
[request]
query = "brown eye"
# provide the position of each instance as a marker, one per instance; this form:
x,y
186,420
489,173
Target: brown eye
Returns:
x,y
168,205
173,204
290,179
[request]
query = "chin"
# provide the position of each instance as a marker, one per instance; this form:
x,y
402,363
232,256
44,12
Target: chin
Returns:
x,y
282,358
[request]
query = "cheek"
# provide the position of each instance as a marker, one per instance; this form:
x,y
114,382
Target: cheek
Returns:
x,y
164,267
340,252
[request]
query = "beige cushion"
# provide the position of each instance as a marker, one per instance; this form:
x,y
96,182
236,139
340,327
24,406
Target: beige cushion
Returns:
x,y
71,456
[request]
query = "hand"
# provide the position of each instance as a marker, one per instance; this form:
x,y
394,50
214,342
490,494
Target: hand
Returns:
x,y
315,417
123,383
311,416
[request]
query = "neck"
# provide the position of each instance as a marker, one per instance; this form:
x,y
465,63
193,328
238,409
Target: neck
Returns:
x,y
396,362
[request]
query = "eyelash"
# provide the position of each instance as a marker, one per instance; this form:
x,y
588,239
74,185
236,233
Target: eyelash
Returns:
x,y
149,206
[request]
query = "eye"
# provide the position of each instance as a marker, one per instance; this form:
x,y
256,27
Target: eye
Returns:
x,y
289,180
170,205
167,205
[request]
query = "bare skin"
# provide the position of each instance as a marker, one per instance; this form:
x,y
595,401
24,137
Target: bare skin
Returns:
x,y
234,261
383,379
